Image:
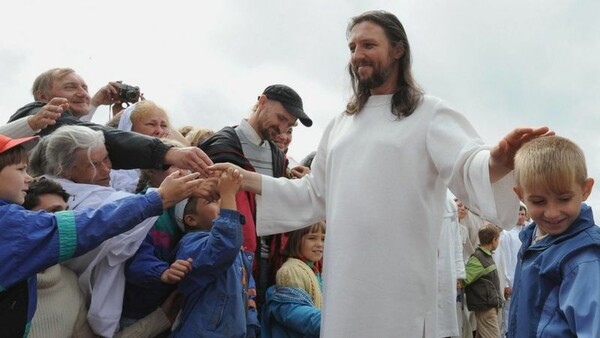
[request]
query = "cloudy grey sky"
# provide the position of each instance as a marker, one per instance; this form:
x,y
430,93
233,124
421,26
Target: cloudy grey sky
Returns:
x,y
501,63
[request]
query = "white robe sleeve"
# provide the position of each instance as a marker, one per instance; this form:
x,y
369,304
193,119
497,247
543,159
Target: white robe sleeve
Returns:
x,y
463,163
300,201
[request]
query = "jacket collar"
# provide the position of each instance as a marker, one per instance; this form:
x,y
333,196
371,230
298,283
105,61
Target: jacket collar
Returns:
x,y
584,221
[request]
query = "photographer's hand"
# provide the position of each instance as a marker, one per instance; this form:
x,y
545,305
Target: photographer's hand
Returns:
x,y
107,95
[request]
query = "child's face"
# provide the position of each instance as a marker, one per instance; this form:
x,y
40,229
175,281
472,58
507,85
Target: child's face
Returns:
x,y
206,212
495,243
312,246
555,212
14,182
51,203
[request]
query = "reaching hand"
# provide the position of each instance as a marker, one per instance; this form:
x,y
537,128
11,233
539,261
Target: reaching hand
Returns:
x,y
177,187
48,114
189,158
208,189
300,171
230,182
218,168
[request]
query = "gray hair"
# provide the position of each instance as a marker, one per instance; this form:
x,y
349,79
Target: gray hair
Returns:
x,y
60,147
43,83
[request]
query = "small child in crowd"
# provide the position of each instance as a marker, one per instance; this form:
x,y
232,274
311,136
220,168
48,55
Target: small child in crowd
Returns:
x,y
293,305
555,292
482,285
218,290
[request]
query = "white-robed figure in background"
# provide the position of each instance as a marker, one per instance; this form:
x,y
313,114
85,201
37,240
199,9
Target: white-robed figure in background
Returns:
x,y
75,157
510,244
379,179
451,268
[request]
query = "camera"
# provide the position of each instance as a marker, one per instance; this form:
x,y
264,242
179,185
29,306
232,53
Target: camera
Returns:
x,y
128,93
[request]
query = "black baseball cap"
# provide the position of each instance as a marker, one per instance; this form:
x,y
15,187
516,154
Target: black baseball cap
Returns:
x,y
290,100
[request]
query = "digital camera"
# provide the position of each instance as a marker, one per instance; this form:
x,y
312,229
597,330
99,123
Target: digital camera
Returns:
x,y
128,93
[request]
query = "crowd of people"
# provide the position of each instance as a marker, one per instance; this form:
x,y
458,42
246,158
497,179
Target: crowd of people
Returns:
x,y
139,228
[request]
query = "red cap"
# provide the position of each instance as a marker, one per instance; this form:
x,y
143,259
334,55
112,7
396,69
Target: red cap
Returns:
x,y
7,143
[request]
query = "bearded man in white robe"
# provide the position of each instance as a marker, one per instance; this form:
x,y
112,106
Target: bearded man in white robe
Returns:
x,y
379,179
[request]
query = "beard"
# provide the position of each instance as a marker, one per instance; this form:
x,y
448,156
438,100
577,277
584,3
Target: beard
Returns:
x,y
378,77
268,133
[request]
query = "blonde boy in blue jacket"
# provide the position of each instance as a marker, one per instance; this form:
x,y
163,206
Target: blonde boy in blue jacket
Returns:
x,y
555,293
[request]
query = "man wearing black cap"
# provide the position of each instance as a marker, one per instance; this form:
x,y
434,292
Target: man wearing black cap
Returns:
x,y
250,146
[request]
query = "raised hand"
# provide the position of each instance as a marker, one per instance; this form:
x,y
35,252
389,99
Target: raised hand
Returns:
x,y
109,94
189,158
48,114
502,156
177,187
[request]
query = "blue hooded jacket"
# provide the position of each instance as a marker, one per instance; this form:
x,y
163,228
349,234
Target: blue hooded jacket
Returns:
x,y
33,241
556,291
289,313
215,297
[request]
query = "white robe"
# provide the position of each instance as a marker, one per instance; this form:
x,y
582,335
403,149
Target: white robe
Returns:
x,y
510,244
381,184
451,267
101,270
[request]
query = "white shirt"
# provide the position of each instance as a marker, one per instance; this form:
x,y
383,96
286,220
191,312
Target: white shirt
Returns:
x,y
511,244
101,271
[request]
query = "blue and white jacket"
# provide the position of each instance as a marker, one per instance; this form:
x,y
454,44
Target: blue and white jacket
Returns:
x,y
33,241
556,292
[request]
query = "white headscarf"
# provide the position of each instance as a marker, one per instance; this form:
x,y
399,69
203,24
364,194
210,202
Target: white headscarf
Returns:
x,y
125,121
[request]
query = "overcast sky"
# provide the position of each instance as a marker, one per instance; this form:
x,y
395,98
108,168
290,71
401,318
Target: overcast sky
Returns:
x,y
502,64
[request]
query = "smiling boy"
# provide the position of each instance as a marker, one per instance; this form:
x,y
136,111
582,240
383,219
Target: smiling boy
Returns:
x,y
556,292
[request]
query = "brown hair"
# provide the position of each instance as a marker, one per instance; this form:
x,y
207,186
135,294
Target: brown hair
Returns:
x,y
292,248
294,243
408,93
43,186
488,233
15,155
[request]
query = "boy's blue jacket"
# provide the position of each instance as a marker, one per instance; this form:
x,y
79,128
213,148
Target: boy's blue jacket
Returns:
x,y
215,291
33,241
556,291
289,313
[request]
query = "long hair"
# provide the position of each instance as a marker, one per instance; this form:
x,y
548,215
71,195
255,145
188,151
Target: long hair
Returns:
x,y
408,93
291,248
